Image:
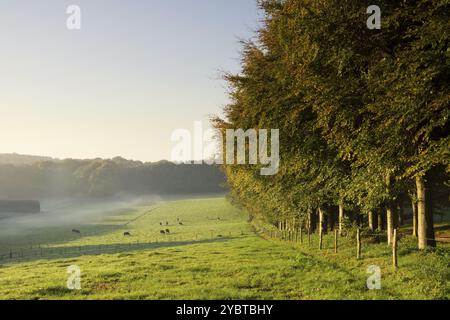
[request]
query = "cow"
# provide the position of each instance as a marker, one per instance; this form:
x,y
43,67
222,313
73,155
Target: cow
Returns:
x,y
167,231
167,223
76,231
127,234
181,223
160,223
162,232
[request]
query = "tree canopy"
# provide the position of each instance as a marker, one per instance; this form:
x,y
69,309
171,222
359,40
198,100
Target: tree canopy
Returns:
x,y
363,114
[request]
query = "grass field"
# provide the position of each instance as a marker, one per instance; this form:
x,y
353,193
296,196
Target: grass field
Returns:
x,y
206,258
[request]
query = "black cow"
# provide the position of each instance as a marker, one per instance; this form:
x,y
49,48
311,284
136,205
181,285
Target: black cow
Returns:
x,y
76,231
162,232
167,231
127,234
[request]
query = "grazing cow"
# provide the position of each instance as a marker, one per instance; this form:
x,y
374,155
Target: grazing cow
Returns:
x,y
127,234
76,231
167,223
162,232
160,223
181,223
167,231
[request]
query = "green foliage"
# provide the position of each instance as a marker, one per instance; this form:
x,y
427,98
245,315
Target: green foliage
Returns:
x,y
361,112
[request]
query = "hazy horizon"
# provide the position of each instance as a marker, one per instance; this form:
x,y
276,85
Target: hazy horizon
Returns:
x,y
74,158
134,73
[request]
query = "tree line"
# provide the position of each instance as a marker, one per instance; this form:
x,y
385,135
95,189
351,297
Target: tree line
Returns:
x,y
363,114
100,178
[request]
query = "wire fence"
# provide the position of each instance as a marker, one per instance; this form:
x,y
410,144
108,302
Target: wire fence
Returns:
x,y
355,240
46,251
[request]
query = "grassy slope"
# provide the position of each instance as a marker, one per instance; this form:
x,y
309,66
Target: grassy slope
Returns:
x,y
193,265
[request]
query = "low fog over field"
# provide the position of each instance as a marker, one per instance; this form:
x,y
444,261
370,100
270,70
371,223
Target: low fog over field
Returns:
x,y
70,212
77,192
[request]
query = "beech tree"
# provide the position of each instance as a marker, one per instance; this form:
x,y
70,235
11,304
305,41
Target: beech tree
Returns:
x,y
363,114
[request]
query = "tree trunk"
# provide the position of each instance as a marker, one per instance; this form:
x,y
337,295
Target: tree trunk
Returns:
x,y
341,219
390,223
311,221
331,220
400,213
371,220
322,220
425,230
380,220
390,212
414,217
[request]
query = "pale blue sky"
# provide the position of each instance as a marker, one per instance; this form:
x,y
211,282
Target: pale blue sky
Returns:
x,y
136,71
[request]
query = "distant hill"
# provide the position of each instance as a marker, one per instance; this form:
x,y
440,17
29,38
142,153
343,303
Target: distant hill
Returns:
x,y
25,160
36,177
22,160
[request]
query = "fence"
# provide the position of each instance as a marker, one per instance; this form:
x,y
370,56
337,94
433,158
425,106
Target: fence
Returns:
x,y
296,235
45,251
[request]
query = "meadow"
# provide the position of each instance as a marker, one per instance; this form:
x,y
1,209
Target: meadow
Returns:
x,y
215,253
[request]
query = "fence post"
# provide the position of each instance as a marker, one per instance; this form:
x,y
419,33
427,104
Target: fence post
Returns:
x,y
358,244
336,233
394,251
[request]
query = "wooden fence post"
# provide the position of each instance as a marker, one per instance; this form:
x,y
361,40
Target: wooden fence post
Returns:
x,y
358,244
394,251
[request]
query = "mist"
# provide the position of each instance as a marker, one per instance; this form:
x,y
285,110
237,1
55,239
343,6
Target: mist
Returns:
x,y
71,212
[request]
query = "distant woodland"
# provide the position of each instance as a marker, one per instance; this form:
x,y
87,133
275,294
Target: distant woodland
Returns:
x,y
27,177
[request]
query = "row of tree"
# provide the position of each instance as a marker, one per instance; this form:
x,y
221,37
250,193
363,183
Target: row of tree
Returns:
x,y
363,114
101,178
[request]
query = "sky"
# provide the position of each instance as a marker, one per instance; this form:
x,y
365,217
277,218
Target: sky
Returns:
x,y
135,72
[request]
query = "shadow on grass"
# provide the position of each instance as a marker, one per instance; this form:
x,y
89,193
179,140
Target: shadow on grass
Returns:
x,y
93,250
46,236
